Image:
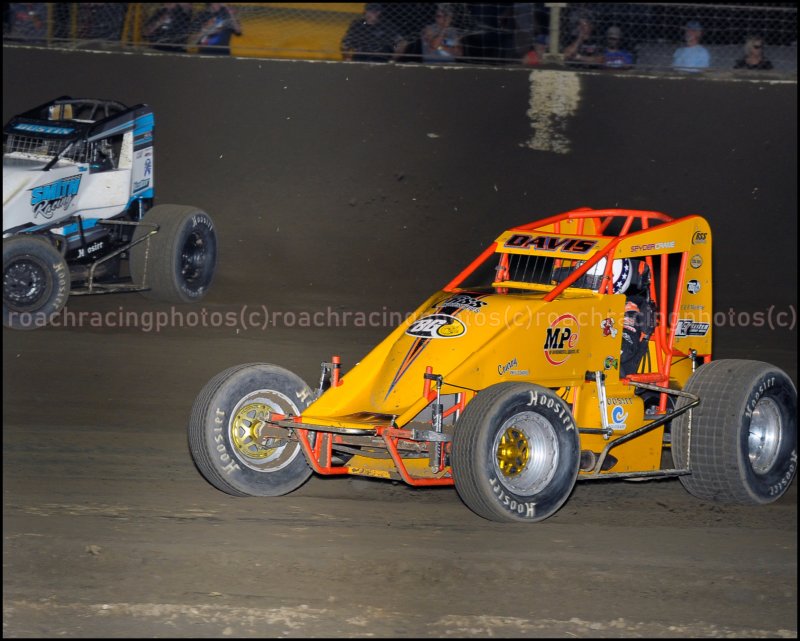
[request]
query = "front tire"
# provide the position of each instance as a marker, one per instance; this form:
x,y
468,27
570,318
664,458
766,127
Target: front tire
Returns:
x,y
743,445
36,282
177,263
515,453
224,431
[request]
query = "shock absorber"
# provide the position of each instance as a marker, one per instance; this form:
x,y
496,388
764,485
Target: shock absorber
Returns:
x,y
437,410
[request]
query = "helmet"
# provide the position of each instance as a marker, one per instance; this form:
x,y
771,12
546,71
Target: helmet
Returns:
x,y
621,274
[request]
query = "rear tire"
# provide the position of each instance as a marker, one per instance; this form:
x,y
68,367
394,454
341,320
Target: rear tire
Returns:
x,y
743,446
36,282
515,453
224,425
177,263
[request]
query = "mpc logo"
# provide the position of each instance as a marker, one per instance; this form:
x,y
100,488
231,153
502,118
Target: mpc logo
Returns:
x,y
561,340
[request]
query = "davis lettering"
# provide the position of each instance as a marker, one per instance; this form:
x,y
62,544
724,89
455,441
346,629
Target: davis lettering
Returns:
x,y
550,243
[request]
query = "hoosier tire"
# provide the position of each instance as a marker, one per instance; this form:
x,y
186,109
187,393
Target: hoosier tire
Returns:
x,y
515,453
743,446
36,282
224,425
177,263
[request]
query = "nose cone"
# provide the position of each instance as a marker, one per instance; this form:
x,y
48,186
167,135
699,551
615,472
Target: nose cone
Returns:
x,y
451,334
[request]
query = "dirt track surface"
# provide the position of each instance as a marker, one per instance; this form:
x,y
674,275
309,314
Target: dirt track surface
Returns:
x,y
109,530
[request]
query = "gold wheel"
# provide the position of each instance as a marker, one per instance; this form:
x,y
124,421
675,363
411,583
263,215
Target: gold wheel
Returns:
x,y
247,421
246,432
513,452
526,452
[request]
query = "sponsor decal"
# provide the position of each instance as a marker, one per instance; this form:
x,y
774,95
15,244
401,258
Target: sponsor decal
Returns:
x,y
689,327
91,249
550,243
44,129
561,340
753,401
607,325
526,508
463,301
552,404
696,308
619,400
508,368
47,199
696,261
699,238
618,418
653,246
148,165
437,326
141,184
611,362
693,286
502,369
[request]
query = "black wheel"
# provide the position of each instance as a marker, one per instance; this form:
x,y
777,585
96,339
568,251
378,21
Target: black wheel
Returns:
x,y
515,453
224,431
743,445
36,282
178,262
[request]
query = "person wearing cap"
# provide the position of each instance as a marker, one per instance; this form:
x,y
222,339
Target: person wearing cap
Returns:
x,y
614,56
372,38
694,56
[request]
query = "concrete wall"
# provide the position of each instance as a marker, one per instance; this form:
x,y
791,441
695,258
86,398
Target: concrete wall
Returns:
x,y
334,182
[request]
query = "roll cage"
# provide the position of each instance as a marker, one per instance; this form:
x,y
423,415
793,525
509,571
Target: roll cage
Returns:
x,y
562,249
73,129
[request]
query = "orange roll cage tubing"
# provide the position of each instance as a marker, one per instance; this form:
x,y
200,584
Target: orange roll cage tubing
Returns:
x,y
491,249
608,250
665,340
604,217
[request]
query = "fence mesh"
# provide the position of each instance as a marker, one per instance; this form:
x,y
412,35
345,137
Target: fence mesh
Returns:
x,y
652,36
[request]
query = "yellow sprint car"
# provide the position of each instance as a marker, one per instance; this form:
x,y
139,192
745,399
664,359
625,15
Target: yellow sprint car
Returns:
x,y
573,348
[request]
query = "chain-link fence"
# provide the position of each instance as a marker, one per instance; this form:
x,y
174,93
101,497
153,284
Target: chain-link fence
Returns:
x,y
646,36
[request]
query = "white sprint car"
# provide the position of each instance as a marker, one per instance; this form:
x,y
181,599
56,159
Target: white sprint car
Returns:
x,y
78,214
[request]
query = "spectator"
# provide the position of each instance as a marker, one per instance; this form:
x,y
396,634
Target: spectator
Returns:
x,y
440,40
584,49
754,56
694,56
168,28
214,28
537,52
614,55
101,20
27,21
371,38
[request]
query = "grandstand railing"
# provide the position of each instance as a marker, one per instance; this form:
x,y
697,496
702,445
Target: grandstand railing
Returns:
x,y
510,34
